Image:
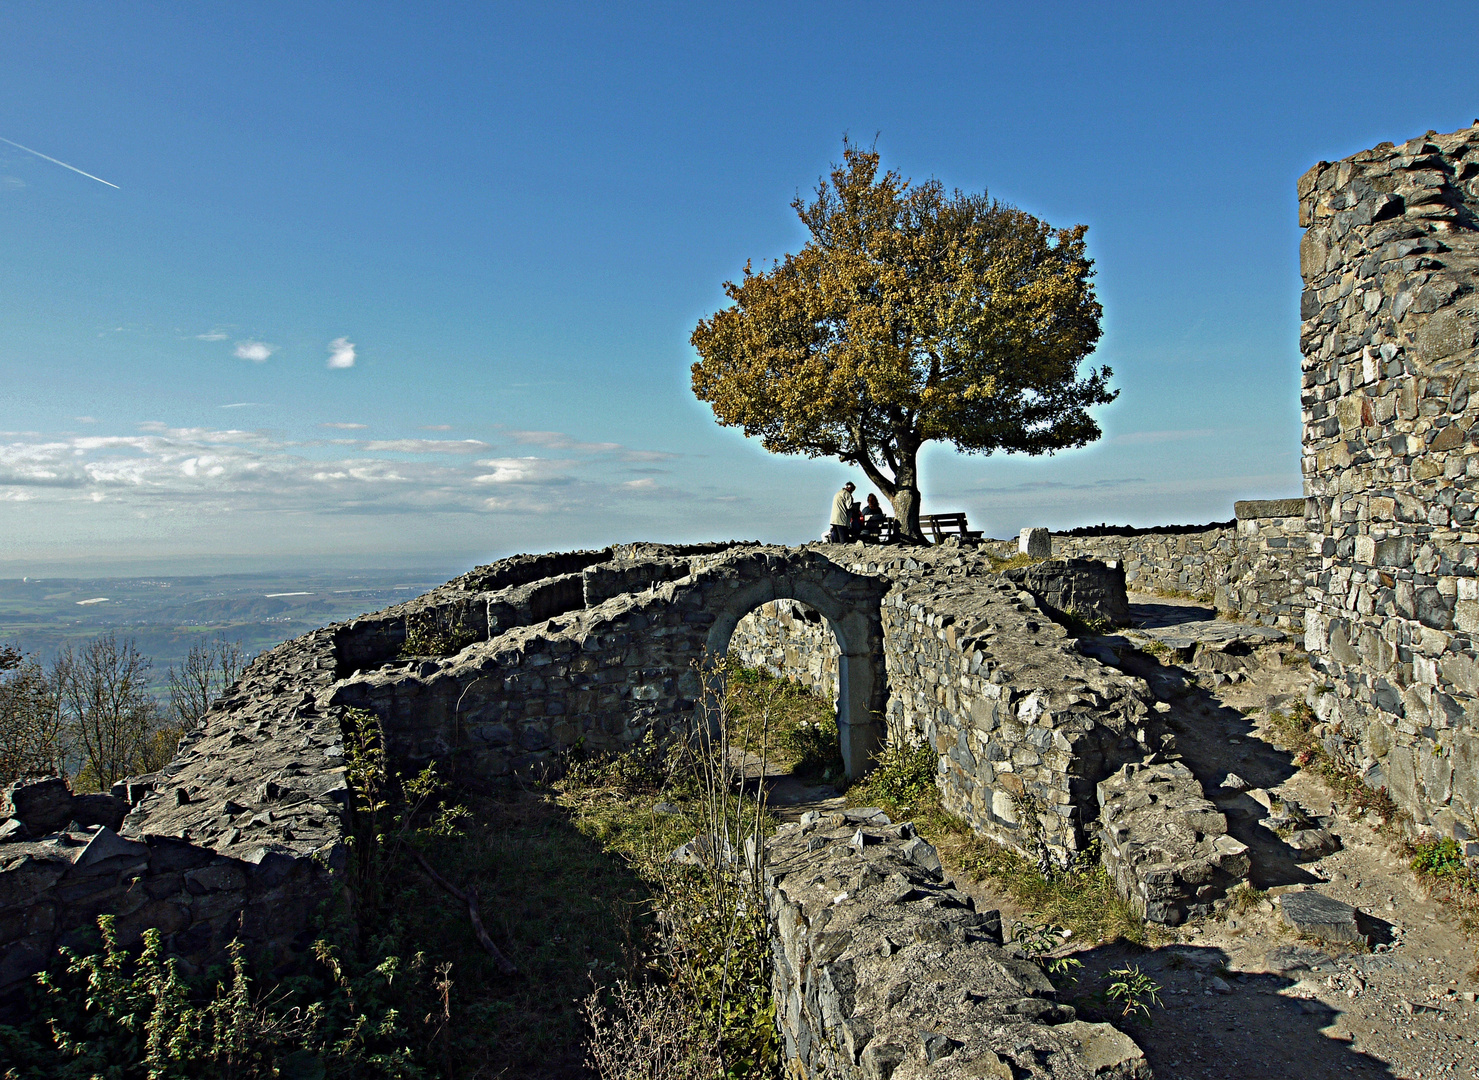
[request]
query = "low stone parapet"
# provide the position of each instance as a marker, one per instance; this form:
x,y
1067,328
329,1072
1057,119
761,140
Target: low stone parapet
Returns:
x,y
884,971
1165,844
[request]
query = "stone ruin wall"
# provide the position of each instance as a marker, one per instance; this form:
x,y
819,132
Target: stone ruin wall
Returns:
x,y
243,834
1391,453
586,679
1255,570
885,971
238,837
1029,730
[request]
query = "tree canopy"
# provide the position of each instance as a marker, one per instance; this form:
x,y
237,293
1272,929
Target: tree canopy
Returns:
x,y
910,315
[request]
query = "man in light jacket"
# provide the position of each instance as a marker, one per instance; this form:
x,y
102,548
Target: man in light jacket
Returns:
x,y
842,514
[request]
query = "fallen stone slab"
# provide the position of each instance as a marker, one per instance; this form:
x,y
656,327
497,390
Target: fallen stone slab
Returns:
x,y
1315,915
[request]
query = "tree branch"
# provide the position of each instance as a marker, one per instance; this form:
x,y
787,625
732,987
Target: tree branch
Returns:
x,y
470,898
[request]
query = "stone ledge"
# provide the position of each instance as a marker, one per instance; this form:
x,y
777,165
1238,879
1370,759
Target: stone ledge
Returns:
x,y
1269,508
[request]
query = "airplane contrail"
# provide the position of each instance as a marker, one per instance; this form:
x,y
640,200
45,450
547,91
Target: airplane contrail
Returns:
x,y
54,161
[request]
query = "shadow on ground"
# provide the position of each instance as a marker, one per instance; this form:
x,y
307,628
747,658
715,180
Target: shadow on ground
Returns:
x,y
1255,1028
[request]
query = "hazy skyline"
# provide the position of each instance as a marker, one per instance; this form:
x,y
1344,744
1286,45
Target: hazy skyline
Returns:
x,y
388,285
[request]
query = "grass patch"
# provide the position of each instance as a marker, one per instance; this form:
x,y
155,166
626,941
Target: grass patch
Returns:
x,y
798,726
1082,898
1080,625
1245,898
1294,731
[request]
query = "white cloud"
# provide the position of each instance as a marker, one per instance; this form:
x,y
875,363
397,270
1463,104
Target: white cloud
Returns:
x,y
204,472
243,405
422,446
255,351
558,440
214,335
523,470
341,353
436,427
85,419
344,427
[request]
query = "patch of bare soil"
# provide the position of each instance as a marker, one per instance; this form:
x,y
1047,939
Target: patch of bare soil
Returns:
x,y
1241,995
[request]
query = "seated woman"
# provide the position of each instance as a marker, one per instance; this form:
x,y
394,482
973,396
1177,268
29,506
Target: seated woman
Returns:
x,y
871,517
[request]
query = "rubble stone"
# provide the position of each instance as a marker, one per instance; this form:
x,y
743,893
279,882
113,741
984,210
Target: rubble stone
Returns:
x,y
883,971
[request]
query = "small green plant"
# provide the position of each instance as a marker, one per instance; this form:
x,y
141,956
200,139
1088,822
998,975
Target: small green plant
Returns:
x,y
1439,858
1133,990
426,636
1245,898
1038,941
1087,625
903,776
135,1017
1159,650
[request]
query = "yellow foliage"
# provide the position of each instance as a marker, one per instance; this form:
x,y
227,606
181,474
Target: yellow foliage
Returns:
x,y
910,315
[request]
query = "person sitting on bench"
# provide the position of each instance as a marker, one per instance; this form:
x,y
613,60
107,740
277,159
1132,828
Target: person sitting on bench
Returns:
x,y
872,517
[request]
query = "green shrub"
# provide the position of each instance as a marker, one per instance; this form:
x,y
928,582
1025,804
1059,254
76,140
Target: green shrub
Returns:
x,y
427,637
117,1016
1439,858
903,777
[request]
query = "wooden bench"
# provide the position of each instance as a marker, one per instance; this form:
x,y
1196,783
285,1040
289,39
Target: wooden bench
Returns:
x,y
879,530
940,525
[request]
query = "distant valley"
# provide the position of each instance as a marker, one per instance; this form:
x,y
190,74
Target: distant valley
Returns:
x,y
166,615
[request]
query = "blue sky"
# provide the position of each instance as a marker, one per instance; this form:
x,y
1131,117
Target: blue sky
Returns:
x,y
510,217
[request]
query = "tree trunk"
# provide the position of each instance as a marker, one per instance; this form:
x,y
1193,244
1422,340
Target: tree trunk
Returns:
x,y
902,491
906,510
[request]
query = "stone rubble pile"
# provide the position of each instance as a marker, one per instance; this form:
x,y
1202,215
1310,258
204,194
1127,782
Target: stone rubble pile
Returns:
x,y
1165,844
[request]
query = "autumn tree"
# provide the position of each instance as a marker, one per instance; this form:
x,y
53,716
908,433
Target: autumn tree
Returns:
x,y
910,315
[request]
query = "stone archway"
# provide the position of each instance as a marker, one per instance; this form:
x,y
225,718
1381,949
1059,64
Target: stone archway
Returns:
x,y
850,606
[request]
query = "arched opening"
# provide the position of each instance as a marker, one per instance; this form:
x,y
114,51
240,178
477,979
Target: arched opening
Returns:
x,y
858,632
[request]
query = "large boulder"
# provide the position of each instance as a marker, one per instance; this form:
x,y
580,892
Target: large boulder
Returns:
x,y
42,803
1086,589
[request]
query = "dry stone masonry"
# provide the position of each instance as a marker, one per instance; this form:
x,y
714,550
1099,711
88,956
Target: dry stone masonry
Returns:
x,y
883,971
1391,451
1165,844
238,837
243,834
1254,568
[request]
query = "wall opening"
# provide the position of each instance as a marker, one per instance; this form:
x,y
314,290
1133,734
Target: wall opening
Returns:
x,y
830,646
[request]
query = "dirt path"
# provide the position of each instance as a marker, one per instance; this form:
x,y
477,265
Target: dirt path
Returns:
x,y
1243,997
